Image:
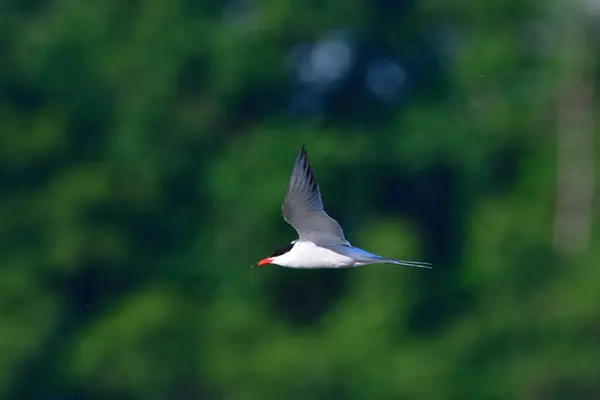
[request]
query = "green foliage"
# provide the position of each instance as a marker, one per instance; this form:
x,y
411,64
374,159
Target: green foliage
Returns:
x,y
144,154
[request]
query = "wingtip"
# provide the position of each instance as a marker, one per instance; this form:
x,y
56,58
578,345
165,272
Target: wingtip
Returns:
x,y
302,156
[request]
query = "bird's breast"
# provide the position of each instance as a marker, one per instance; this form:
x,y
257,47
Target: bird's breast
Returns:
x,y
310,255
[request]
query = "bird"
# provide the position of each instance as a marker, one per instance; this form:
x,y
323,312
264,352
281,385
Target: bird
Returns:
x,y
321,242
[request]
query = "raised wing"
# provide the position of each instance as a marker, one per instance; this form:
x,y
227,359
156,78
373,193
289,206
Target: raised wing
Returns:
x,y
303,208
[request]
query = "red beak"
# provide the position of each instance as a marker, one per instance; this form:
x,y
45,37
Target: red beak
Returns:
x,y
263,262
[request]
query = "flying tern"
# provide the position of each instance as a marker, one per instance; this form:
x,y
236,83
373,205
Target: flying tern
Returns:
x,y
321,242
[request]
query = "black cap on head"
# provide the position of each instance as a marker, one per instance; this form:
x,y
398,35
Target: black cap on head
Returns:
x,y
281,250
278,252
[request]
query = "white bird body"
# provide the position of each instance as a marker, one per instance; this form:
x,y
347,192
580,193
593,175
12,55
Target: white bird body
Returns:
x,y
308,255
321,242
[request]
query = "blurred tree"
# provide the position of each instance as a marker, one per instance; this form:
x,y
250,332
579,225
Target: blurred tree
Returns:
x,y
144,154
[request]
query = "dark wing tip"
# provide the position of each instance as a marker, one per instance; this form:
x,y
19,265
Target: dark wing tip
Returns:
x,y
302,182
303,154
303,163
307,170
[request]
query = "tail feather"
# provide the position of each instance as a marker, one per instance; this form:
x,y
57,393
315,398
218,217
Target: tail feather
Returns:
x,y
365,258
408,263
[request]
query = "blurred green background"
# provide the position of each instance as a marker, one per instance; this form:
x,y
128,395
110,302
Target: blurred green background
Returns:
x,y
145,148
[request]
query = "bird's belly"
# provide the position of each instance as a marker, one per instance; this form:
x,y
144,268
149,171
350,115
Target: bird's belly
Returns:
x,y
319,257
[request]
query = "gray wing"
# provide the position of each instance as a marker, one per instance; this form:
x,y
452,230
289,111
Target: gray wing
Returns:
x,y
303,208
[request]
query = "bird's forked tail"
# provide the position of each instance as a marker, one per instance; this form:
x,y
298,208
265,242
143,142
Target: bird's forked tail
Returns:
x,y
407,263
